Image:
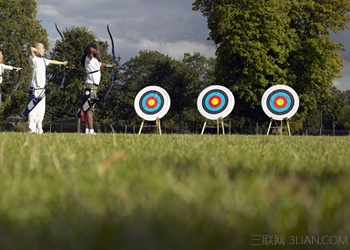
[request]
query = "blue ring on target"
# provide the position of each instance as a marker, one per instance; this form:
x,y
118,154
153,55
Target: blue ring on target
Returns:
x,y
152,103
272,97
145,97
206,102
280,109
215,109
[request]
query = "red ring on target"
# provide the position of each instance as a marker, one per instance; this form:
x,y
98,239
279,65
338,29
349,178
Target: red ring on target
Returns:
x,y
215,102
280,102
152,102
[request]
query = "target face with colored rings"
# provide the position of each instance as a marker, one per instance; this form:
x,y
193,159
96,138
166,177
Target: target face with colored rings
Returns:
x,y
215,102
151,103
280,102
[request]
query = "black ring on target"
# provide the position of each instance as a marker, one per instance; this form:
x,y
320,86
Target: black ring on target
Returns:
x,y
279,102
215,102
152,102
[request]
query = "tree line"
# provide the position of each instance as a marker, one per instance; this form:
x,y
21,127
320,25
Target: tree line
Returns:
x,y
259,44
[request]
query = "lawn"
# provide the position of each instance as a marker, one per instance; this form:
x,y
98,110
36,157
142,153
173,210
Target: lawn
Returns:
x,y
123,191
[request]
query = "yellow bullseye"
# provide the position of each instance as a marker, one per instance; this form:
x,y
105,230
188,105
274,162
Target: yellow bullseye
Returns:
x,y
215,101
280,102
151,102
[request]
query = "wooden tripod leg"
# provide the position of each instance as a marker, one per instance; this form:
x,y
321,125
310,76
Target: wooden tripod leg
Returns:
x,y
159,130
268,130
281,132
288,126
143,121
217,127
205,123
222,125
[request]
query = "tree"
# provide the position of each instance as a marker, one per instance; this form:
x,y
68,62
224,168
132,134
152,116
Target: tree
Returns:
x,y
202,66
156,69
332,108
202,71
262,43
344,117
64,104
19,30
133,77
183,80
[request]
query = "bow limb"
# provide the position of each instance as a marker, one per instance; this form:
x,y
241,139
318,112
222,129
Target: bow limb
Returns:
x,y
19,71
64,69
111,79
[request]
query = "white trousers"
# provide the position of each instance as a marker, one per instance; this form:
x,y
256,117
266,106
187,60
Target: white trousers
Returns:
x,y
36,116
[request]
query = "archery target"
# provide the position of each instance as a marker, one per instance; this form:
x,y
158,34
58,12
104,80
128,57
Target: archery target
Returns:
x,y
151,103
215,102
280,102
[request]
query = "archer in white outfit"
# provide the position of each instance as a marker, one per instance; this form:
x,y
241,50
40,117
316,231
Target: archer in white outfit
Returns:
x,y
3,66
38,64
2,69
91,62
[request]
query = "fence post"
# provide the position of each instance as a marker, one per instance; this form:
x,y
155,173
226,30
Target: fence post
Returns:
x,y
78,126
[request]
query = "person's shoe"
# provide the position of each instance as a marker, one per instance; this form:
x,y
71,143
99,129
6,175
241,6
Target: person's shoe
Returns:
x,y
92,133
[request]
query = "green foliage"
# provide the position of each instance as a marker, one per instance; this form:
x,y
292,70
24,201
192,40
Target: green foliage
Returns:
x,y
330,112
259,44
19,30
67,100
345,117
263,43
185,192
182,80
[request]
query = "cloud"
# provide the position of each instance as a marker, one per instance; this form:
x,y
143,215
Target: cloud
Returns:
x,y
167,26
175,49
344,82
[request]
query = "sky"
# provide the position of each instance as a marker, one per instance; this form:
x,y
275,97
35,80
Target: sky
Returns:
x,y
170,27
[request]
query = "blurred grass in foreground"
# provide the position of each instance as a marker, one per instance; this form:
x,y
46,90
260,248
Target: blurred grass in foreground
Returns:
x,y
116,191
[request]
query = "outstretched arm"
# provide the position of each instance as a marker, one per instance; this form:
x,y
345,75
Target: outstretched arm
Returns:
x,y
65,63
110,65
96,53
10,67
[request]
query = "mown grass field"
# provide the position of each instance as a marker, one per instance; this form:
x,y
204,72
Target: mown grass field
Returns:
x,y
117,191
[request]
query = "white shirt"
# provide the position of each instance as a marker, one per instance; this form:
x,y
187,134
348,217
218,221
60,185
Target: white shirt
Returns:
x,y
2,68
38,65
91,66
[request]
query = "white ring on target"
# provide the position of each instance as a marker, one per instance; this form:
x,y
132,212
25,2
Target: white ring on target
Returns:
x,y
222,114
289,114
157,91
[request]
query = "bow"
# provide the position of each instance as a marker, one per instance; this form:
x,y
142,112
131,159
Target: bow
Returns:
x,y
64,69
19,71
111,79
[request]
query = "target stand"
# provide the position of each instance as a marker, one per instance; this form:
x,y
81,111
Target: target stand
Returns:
x,y
280,128
280,102
151,104
215,103
158,128
218,122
